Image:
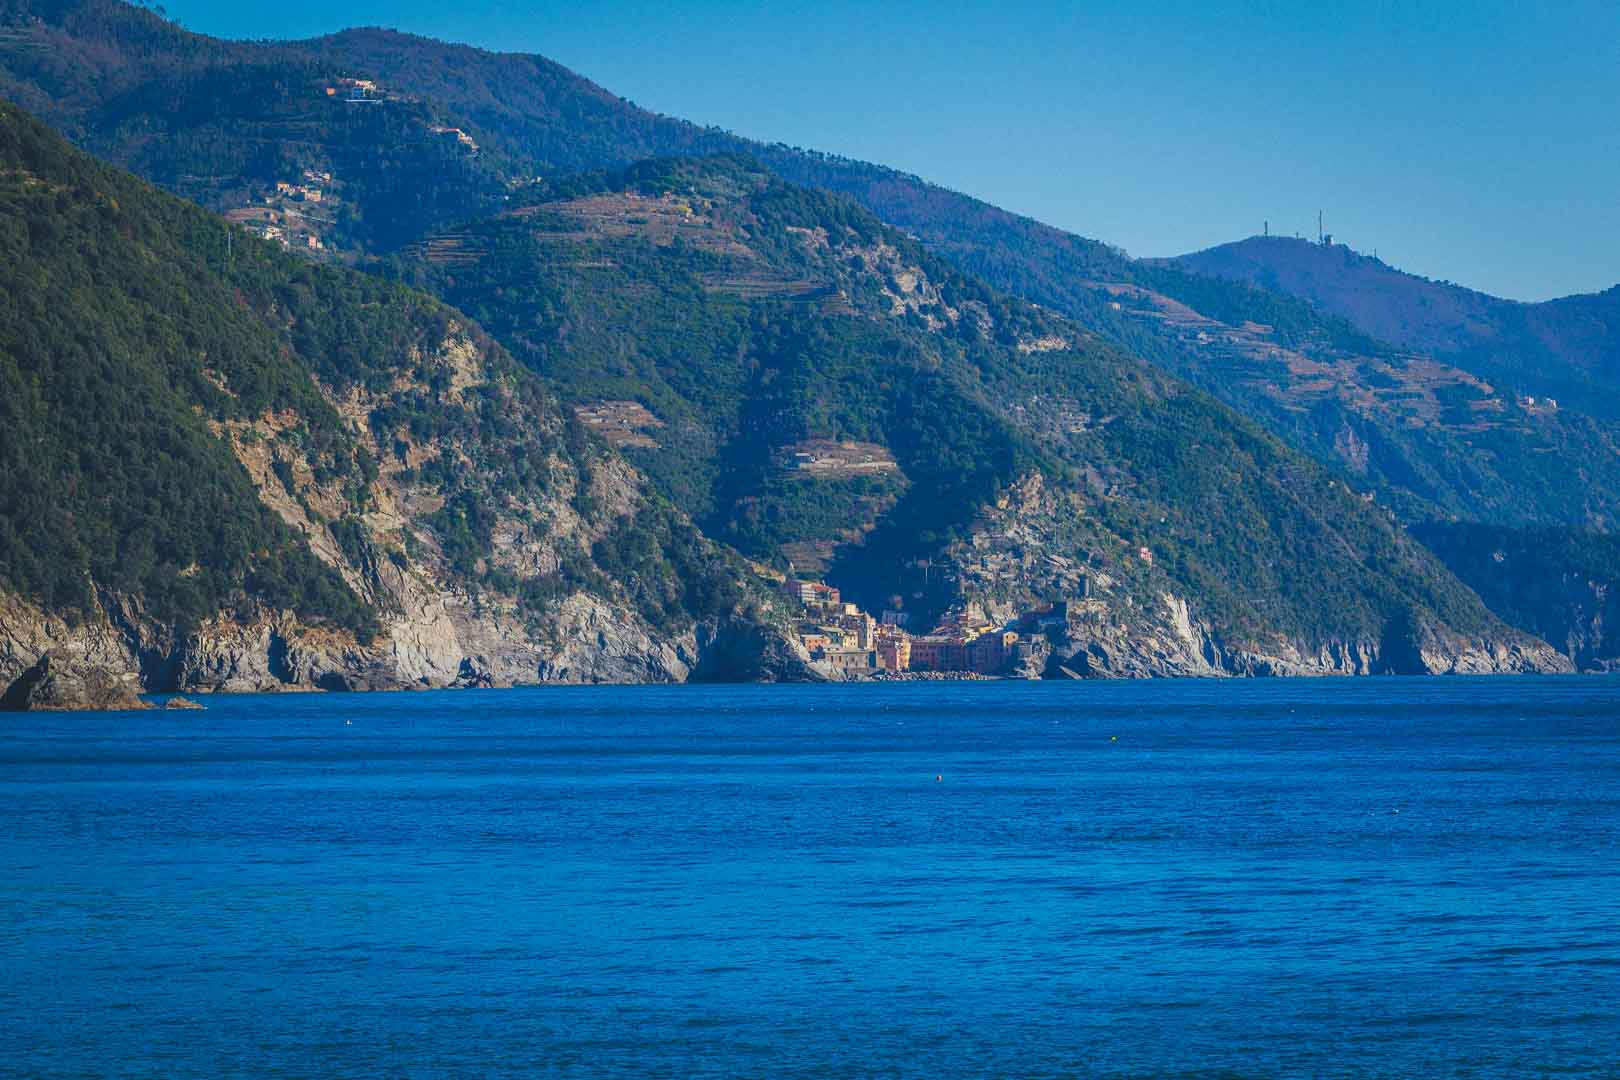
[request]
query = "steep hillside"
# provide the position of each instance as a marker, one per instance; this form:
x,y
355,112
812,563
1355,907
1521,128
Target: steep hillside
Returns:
x,y
303,152
417,136
1433,438
1559,584
358,143
445,133
1568,349
228,468
817,389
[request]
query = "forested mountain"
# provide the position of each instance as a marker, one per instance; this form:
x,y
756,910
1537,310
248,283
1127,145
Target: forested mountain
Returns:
x,y
404,154
820,391
442,134
1561,584
1568,349
226,466
1431,436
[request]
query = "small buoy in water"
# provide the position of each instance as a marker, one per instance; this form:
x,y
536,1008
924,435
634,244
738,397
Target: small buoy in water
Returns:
x,y
938,777
1113,738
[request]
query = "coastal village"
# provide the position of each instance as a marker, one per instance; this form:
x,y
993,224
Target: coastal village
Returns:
x,y
965,643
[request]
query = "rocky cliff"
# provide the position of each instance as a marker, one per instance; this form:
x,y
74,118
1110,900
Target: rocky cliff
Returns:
x,y
226,469
387,541
1127,617
451,646
1560,584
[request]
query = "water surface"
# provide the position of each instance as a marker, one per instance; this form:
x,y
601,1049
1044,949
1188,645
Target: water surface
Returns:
x,y
1380,877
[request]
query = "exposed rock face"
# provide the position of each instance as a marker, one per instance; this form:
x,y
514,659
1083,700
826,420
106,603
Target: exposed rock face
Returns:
x,y
1119,652
434,632
1125,622
1559,584
742,651
27,634
450,643
596,644
66,679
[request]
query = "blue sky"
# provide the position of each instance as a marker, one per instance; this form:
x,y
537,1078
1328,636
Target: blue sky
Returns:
x,y
1475,142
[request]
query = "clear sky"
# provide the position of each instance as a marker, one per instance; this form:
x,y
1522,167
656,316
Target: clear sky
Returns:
x,y
1476,141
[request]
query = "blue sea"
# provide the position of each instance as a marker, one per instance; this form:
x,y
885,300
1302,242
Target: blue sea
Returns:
x,y
1374,877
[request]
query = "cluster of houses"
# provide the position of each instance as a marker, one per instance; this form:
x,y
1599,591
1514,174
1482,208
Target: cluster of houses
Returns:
x,y
844,637
825,456
280,218
456,133
354,91
308,191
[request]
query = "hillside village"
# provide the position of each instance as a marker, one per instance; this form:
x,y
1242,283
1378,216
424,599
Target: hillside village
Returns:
x,y
299,214
295,215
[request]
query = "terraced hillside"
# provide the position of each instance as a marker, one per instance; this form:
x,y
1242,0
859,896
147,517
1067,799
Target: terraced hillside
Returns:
x,y
1568,349
758,325
232,124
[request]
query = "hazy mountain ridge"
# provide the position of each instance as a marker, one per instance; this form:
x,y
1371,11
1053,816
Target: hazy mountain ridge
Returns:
x,y
1568,348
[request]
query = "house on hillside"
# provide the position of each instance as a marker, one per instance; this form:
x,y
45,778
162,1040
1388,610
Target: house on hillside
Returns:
x,y
811,593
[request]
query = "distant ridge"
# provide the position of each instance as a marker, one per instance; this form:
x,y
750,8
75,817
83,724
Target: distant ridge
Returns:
x,y
1567,348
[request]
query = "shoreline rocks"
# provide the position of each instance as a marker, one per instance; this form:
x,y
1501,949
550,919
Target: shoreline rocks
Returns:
x,y
63,681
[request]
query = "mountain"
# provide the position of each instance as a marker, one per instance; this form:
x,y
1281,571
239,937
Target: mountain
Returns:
x,y
371,146
230,468
1433,438
1561,584
400,136
1567,349
820,391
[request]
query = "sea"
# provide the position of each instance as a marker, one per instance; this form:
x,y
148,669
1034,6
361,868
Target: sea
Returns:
x,y
1383,877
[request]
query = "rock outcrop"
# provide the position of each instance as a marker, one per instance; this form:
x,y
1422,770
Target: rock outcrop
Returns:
x,y
66,679
1125,620
102,661
738,650
1121,652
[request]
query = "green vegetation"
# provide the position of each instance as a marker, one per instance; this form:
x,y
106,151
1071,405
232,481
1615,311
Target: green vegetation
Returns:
x,y
107,326
136,329
1563,585
741,353
736,381
669,569
221,121
703,322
